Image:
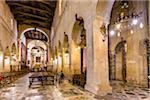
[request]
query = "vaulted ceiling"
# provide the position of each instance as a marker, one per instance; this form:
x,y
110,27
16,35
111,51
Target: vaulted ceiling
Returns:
x,y
37,13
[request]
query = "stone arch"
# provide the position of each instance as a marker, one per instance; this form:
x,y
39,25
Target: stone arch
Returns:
x,y
119,46
124,19
99,72
120,61
28,29
36,44
101,8
78,44
77,28
66,55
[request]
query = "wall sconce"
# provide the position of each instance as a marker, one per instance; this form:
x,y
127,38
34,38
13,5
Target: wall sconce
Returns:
x,y
103,32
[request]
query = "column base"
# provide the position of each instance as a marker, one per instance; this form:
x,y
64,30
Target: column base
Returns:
x,y
104,89
92,88
101,90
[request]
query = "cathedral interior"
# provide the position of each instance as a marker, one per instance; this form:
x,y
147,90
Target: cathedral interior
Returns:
x,y
74,50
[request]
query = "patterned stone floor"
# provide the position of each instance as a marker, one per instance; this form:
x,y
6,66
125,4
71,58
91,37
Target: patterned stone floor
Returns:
x,y
19,91
126,92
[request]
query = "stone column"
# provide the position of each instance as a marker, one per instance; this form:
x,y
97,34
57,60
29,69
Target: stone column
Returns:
x,y
97,73
90,85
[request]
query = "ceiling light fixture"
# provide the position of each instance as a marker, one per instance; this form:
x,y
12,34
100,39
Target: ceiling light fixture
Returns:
x,y
118,26
112,32
118,34
134,22
131,31
141,25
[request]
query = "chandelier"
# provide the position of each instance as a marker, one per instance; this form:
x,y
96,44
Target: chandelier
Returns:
x,y
126,20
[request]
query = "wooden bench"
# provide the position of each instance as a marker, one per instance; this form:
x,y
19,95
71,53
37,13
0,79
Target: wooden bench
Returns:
x,y
79,79
9,77
42,77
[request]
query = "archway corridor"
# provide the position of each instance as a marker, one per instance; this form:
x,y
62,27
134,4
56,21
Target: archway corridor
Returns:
x,y
74,50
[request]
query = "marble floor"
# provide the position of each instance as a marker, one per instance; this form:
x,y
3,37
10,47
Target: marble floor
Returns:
x,y
19,90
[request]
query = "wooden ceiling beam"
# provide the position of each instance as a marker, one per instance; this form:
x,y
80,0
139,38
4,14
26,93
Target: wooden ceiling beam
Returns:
x,y
44,2
31,24
31,15
20,17
48,4
30,7
34,21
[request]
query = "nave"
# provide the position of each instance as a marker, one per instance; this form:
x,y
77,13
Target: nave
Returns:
x,y
74,49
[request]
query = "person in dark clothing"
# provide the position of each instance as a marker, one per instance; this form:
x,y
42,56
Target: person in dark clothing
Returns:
x,y
62,75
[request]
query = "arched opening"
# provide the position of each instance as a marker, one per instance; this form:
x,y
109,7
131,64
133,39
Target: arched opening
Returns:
x,y
13,59
36,55
7,60
32,29
120,61
33,37
78,46
66,56
126,24
60,57
55,61
78,50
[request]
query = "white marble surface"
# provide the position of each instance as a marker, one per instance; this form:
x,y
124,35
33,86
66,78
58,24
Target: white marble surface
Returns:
x,y
19,91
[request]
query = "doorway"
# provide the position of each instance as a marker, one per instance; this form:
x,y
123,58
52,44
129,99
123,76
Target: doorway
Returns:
x,y
120,61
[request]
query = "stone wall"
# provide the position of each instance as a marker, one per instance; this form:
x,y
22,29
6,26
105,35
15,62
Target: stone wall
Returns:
x,y
8,33
136,63
95,13
97,54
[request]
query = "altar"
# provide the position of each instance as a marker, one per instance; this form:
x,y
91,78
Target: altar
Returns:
x,y
37,67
